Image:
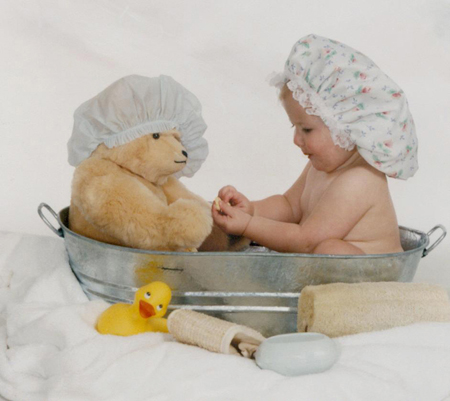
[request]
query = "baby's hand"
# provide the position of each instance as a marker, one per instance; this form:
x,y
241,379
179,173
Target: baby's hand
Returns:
x,y
230,195
216,204
230,219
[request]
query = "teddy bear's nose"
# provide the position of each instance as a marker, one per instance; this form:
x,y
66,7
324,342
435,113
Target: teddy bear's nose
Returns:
x,y
184,153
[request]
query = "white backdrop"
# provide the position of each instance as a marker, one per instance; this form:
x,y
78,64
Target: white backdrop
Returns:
x,y
56,54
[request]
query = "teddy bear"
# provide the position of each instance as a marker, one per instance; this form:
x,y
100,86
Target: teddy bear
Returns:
x,y
130,144
128,196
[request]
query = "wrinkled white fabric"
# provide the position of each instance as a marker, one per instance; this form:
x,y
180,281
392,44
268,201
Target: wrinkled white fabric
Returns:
x,y
134,106
50,350
358,102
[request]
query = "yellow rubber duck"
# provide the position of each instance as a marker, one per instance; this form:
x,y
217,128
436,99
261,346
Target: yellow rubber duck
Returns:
x,y
145,314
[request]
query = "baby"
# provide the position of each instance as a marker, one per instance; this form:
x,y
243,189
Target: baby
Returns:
x,y
353,123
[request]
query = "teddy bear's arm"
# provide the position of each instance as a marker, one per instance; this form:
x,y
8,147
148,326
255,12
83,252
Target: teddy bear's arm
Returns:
x,y
125,209
121,208
174,189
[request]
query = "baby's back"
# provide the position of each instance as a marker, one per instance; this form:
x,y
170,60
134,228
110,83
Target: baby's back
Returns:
x,y
359,197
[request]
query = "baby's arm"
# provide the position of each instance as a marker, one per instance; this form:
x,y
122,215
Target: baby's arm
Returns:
x,y
342,205
284,207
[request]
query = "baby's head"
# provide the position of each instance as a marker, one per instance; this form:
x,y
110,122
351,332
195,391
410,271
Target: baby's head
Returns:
x,y
313,136
358,105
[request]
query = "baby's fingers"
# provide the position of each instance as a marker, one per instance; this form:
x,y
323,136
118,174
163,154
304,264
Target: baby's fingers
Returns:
x,y
219,218
226,209
227,193
216,204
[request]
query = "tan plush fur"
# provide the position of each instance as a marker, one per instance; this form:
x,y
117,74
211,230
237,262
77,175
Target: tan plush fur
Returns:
x,y
128,196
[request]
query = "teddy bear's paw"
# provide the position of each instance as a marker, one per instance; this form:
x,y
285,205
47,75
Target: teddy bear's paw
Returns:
x,y
190,250
189,223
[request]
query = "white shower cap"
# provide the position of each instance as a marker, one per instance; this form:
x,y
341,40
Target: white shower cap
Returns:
x,y
135,106
358,102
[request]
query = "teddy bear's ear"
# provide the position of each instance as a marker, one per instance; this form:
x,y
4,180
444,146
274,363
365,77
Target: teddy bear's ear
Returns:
x,y
177,135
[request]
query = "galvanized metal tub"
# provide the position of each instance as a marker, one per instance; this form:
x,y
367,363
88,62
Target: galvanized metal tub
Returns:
x,y
255,287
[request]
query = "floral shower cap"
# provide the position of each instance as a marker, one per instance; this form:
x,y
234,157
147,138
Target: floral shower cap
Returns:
x,y
358,102
135,106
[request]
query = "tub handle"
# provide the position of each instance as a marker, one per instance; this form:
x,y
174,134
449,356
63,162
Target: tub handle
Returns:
x,y
58,231
437,242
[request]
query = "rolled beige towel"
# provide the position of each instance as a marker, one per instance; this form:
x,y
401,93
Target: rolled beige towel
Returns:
x,y
340,309
213,334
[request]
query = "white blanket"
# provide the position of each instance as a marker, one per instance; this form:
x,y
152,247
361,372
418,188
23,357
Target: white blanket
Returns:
x,y
50,350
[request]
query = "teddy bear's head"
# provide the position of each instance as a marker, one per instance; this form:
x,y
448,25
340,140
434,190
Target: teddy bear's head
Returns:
x,y
154,156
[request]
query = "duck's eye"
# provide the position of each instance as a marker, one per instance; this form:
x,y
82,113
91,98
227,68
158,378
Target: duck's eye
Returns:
x,y
159,307
147,295
307,130
156,136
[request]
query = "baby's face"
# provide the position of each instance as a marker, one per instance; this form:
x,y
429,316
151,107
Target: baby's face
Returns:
x,y
313,137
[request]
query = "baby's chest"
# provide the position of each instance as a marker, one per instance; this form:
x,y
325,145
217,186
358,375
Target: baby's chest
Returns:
x,y
314,189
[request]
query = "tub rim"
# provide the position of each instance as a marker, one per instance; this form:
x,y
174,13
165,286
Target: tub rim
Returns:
x,y
63,229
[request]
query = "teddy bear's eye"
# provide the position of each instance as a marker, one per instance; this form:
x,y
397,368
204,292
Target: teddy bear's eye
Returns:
x,y
156,136
147,295
159,307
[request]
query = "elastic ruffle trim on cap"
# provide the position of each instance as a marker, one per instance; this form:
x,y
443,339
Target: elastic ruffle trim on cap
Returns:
x,y
151,127
196,146
313,105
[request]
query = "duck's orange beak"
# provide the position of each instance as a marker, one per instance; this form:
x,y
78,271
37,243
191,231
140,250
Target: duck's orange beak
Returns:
x,y
146,310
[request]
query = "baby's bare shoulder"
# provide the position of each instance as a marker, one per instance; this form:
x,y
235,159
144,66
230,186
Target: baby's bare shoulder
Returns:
x,y
362,181
364,175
